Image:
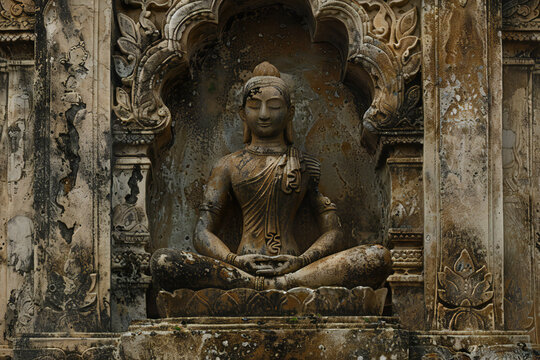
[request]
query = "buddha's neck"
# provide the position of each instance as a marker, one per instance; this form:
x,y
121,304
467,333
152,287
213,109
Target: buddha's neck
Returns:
x,y
273,144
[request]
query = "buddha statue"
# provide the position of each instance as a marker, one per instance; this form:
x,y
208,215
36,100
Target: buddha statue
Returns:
x,y
269,178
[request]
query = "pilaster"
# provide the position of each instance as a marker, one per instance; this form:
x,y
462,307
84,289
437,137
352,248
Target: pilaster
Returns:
x,y
130,260
73,150
462,170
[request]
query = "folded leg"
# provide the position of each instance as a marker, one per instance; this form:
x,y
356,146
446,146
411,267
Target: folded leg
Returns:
x,y
175,269
365,265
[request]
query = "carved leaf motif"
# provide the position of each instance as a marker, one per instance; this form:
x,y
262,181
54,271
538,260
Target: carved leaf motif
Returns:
x,y
412,97
123,108
406,24
405,45
380,25
128,28
411,63
128,46
452,286
480,293
123,67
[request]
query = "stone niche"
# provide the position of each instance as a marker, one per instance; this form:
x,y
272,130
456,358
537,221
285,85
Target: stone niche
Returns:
x,y
355,87
205,126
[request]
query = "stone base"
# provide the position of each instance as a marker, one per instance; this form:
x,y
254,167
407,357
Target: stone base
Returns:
x,y
64,346
472,345
326,301
238,338
310,337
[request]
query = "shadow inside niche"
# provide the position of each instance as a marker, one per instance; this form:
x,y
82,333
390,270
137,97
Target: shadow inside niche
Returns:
x,y
206,127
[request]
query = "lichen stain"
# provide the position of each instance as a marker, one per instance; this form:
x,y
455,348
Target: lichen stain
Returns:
x,y
68,144
133,183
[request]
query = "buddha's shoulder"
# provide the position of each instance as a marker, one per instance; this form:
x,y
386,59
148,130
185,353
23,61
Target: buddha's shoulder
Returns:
x,y
231,159
312,165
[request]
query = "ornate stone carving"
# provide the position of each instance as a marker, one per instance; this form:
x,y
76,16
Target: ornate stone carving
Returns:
x,y
465,294
521,12
521,20
17,14
381,37
323,301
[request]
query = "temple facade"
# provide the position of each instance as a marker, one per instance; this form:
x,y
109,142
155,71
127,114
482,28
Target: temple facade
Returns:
x,y
423,116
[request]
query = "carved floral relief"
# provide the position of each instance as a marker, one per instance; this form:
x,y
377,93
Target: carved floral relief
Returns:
x,y
465,293
382,40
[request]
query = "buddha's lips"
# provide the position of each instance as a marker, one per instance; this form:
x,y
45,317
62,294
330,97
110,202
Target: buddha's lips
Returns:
x,y
264,123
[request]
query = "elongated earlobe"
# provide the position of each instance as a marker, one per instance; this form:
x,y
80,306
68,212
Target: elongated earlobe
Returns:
x,y
289,130
247,131
247,134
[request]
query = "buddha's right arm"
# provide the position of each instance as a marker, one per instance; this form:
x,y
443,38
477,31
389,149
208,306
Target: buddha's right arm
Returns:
x,y
211,212
206,242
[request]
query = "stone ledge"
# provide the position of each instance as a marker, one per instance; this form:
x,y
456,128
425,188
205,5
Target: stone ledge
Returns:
x,y
302,337
305,337
328,301
445,344
63,346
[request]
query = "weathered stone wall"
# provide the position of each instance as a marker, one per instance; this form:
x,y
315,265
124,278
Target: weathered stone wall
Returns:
x,y
71,194
423,113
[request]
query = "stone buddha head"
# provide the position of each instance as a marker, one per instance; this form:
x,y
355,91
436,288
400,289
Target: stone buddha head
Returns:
x,y
266,109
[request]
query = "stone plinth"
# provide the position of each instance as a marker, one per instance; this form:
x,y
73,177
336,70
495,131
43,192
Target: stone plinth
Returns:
x,y
307,337
471,345
327,300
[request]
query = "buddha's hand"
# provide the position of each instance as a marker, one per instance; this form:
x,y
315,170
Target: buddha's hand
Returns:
x,y
282,264
253,262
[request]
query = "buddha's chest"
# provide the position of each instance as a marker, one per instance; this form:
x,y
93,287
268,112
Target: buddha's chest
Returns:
x,y
263,179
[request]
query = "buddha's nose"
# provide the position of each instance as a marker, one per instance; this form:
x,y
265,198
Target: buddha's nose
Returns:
x,y
263,113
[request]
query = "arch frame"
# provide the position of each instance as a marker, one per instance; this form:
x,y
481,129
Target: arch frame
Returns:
x,y
381,40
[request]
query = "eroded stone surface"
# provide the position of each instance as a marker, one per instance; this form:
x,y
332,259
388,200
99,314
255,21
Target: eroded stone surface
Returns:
x,y
479,178
326,301
266,338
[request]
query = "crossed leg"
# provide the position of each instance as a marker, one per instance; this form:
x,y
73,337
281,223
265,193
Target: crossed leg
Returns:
x,y
366,265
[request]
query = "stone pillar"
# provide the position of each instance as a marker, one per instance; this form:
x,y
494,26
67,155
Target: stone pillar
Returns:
x,y
521,171
405,233
16,212
72,153
130,259
463,241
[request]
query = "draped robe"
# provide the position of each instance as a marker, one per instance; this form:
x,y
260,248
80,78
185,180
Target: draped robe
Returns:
x,y
270,198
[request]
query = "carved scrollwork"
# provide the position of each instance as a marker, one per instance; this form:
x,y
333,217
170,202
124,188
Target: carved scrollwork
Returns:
x,y
465,294
381,39
391,54
17,14
521,12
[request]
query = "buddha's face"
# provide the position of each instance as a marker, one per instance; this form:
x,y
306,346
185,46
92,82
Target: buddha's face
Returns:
x,y
266,112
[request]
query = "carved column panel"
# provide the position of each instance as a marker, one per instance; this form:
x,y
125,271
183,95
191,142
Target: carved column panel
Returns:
x,y
518,153
72,184
16,171
462,160
521,170
130,235
405,234
16,213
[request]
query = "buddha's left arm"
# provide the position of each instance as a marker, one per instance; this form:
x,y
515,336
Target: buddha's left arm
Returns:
x,y
331,239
